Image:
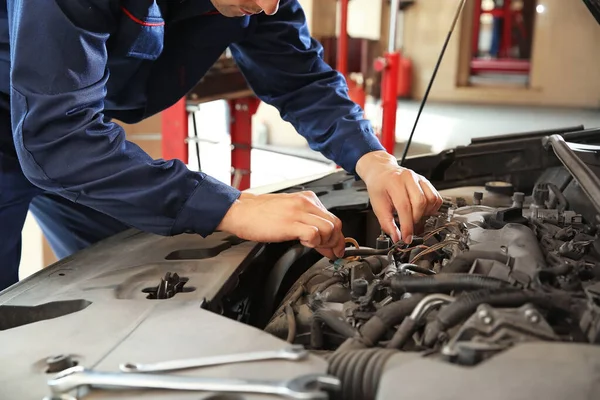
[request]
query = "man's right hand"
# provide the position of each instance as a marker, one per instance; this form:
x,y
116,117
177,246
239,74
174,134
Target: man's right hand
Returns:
x,y
282,217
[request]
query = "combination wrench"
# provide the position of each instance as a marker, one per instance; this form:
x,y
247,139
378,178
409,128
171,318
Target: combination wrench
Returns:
x,y
292,353
306,387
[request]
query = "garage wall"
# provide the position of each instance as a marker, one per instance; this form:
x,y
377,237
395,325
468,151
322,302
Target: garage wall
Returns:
x,y
565,56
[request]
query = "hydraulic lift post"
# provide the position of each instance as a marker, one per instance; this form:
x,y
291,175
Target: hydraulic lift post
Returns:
x,y
389,66
174,126
175,137
240,128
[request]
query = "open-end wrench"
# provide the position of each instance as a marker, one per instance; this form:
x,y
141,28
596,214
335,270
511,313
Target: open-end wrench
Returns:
x,y
306,387
293,353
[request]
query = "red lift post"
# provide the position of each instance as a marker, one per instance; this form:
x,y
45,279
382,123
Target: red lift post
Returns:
x,y
224,81
240,128
389,66
175,136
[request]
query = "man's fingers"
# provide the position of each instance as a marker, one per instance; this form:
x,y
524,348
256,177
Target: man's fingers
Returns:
x,y
330,226
382,207
316,207
416,196
403,206
434,200
327,252
325,227
307,234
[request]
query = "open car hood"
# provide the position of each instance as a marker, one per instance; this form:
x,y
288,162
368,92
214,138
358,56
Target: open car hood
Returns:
x,y
594,7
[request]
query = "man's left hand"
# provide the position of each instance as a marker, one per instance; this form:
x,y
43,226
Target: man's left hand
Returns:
x,y
392,187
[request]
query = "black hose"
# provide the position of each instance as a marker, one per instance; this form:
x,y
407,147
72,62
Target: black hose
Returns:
x,y
366,252
387,317
335,323
443,283
359,371
467,304
377,263
462,262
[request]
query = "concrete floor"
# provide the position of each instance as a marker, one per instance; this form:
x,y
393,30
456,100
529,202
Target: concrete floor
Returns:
x,y
442,126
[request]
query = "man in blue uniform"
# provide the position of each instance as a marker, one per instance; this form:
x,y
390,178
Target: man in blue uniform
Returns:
x,y
68,67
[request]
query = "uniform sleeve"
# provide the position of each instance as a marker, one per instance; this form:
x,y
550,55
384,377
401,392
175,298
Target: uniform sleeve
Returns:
x,y
64,143
285,68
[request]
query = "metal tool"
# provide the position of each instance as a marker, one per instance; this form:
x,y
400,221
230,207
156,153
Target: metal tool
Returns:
x,y
306,387
292,353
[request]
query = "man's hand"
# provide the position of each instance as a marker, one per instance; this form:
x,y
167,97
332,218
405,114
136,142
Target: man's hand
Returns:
x,y
282,217
392,187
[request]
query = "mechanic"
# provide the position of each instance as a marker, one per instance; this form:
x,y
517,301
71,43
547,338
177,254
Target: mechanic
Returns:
x,y
67,68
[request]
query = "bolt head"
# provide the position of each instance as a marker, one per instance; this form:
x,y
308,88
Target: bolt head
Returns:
x,y
532,316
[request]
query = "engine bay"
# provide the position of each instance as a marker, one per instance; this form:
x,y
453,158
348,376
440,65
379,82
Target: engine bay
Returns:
x,y
476,281
498,291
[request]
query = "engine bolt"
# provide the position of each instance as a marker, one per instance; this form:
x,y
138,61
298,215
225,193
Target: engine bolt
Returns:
x,y
59,363
484,316
532,316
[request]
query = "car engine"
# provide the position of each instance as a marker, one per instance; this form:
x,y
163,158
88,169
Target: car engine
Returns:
x,y
496,297
477,280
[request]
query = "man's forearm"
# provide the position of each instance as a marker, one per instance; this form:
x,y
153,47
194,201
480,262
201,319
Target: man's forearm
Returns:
x,y
64,144
284,66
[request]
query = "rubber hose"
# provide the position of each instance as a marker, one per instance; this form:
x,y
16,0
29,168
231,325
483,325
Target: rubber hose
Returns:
x,y
444,283
462,262
291,319
377,263
330,319
467,304
387,317
359,371
406,329
365,252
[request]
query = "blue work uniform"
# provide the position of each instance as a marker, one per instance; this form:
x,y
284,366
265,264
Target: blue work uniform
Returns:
x,y
68,67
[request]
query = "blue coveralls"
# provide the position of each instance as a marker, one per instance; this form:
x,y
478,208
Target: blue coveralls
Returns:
x,y
67,67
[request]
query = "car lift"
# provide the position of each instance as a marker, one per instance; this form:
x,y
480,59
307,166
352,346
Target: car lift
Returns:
x,y
225,82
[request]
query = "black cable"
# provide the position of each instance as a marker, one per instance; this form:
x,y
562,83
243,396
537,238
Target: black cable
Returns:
x,y
442,283
196,141
437,66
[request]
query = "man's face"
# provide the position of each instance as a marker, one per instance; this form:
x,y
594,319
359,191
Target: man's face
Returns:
x,y
238,8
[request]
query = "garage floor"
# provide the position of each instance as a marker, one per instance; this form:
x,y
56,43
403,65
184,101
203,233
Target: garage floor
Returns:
x,y
442,126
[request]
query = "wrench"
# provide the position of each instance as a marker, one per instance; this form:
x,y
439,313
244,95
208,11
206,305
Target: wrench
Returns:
x,y
293,353
306,387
